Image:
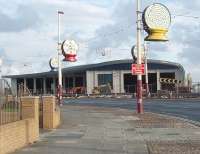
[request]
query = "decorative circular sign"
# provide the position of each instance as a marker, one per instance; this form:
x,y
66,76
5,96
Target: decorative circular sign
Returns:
x,y
156,16
134,53
53,63
1,61
69,50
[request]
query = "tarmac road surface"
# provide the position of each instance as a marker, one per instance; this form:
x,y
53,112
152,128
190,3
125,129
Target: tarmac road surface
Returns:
x,y
187,109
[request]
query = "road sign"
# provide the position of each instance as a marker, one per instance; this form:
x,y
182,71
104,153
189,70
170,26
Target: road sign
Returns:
x,y
169,81
137,69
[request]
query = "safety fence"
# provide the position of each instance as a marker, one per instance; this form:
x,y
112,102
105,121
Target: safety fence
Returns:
x,y
167,90
131,89
196,87
10,106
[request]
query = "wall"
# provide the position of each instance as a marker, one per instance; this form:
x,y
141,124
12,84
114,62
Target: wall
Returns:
x,y
116,81
17,135
118,78
21,133
51,113
90,81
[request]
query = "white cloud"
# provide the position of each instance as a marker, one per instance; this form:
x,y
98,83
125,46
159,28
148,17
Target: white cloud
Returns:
x,y
29,32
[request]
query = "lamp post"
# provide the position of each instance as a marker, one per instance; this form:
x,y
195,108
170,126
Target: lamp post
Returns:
x,y
59,61
146,69
140,109
1,62
156,20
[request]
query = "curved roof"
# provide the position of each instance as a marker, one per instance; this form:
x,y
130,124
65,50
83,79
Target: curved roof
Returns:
x,y
111,65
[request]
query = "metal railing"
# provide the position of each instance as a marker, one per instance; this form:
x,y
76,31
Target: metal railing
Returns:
x,y
130,89
10,106
196,87
23,91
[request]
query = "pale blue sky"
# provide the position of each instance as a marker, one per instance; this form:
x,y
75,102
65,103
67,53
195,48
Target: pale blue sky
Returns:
x,y
28,32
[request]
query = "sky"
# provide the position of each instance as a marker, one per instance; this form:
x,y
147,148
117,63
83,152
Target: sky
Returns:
x,y
104,30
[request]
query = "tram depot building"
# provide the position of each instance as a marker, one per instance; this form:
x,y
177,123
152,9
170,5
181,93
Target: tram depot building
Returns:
x,y
85,78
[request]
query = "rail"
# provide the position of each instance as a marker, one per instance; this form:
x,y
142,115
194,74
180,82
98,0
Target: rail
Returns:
x,y
10,106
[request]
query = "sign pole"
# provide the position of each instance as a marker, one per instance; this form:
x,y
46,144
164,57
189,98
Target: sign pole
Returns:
x,y
146,70
139,76
59,62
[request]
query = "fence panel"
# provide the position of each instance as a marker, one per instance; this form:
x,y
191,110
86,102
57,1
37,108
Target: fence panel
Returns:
x,y
10,106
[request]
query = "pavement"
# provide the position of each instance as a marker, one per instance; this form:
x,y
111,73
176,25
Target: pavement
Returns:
x,y
100,130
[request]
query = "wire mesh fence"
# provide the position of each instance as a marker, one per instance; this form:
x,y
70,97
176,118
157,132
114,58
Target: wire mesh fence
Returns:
x,y
196,87
10,106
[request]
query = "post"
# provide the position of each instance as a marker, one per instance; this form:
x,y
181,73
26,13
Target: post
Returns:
x,y
44,86
34,86
51,113
158,80
59,61
30,109
146,70
139,76
25,86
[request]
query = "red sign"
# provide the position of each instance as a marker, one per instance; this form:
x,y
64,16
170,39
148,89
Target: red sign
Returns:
x,y
137,69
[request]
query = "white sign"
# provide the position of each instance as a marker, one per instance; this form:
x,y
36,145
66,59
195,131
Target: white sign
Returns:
x,y
134,52
156,16
53,63
69,47
69,50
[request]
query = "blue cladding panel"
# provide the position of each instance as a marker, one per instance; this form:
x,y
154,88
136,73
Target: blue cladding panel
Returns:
x,y
112,65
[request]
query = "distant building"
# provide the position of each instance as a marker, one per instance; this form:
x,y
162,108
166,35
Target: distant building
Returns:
x,y
87,77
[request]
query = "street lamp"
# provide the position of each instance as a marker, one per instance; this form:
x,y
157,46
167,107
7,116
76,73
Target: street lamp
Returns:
x,y
156,20
139,59
1,62
59,61
146,69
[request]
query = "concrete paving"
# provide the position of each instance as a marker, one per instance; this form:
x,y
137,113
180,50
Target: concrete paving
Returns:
x,y
96,130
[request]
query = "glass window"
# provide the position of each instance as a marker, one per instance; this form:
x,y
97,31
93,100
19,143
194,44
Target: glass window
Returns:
x,y
79,82
69,82
104,79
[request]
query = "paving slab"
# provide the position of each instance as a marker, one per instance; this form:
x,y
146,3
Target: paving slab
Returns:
x,y
96,130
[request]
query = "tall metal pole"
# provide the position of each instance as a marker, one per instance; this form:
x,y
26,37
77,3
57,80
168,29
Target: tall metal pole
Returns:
x,y
139,61
59,61
1,62
146,69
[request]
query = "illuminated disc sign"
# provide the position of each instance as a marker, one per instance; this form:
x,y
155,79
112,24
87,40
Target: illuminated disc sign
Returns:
x,y
134,52
69,50
53,63
1,61
156,16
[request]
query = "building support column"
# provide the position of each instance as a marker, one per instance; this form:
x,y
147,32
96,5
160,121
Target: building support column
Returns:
x,y
74,80
54,85
116,82
64,82
44,86
34,86
25,85
158,81
122,82
89,82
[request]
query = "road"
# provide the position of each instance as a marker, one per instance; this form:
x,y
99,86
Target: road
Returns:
x,y
187,109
